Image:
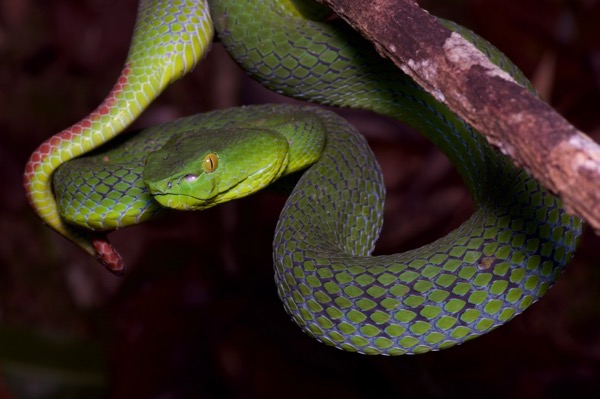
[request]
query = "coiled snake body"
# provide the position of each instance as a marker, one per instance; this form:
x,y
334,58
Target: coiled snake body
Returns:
x,y
482,274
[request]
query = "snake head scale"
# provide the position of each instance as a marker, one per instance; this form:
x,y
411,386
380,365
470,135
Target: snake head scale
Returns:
x,y
198,170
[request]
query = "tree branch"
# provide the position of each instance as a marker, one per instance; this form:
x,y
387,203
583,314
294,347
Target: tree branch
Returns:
x,y
523,127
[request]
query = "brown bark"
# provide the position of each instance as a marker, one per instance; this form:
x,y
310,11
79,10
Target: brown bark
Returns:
x,y
522,126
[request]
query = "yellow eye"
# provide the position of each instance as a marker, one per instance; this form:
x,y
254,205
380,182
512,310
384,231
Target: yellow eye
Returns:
x,y
210,163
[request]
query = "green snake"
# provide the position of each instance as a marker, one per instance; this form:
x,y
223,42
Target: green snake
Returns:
x,y
496,264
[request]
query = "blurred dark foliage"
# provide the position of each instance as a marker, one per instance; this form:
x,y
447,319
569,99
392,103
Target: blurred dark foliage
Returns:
x,y
197,315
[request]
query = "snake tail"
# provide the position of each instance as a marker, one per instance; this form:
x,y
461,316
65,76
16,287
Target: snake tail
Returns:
x,y
169,38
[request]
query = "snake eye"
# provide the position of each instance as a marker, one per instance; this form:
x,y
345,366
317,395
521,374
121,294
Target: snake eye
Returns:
x,y
210,163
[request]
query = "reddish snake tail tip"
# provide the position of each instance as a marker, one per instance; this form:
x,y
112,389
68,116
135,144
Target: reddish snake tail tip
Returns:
x,y
108,255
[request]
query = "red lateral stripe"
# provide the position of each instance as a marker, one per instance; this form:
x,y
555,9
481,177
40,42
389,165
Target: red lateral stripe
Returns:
x,y
40,156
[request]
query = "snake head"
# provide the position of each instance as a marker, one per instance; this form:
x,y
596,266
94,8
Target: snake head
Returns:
x,y
198,170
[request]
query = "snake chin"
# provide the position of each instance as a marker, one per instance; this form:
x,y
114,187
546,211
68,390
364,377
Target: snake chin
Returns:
x,y
184,202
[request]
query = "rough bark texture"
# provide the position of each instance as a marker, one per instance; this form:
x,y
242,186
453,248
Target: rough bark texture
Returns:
x,y
522,126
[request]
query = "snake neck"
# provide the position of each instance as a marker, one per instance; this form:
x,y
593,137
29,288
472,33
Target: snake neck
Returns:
x,y
304,132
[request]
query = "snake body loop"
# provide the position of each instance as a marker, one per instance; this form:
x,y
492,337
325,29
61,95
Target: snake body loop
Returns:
x,y
481,275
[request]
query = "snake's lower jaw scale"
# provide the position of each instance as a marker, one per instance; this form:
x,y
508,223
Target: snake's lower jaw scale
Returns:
x,y
165,201
108,256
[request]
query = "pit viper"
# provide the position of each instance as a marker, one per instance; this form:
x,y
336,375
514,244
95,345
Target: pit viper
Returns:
x,y
492,267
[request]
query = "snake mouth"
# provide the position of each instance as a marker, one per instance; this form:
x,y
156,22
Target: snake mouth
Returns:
x,y
183,202
166,196
178,194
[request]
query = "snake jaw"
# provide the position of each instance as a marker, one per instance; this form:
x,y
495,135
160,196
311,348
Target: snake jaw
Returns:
x,y
177,193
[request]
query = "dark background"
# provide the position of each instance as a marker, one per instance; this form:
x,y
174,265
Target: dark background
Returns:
x,y
197,315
